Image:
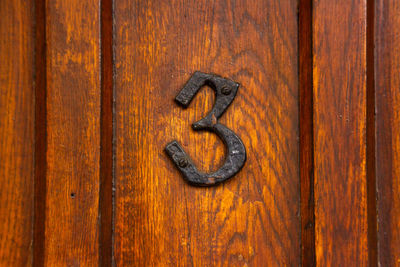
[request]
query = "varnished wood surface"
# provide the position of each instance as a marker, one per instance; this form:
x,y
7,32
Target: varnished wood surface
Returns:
x,y
71,121
339,75
17,114
387,81
73,133
253,219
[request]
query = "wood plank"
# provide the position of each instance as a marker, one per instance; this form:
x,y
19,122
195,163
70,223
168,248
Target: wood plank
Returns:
x,y
253,219
387,86
73,131
339,75
17,120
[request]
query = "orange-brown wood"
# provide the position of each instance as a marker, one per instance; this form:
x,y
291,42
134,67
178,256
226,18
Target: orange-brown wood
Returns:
x,y
339,75
321,183
73,133
387,86
252,219
17,113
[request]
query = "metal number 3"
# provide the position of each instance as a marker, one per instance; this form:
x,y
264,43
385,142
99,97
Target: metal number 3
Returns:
x,y
225,91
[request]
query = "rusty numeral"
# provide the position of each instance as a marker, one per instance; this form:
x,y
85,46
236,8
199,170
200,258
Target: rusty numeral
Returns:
x,y
225,91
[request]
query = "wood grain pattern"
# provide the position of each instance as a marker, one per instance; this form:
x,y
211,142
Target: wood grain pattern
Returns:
x,y
251,220
312,138
339,75
17,113
387,84
73,131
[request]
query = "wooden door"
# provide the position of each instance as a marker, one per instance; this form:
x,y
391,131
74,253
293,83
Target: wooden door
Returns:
x,y
87,107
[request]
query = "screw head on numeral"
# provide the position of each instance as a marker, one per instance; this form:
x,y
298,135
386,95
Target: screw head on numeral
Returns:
x,y
226,90
182,162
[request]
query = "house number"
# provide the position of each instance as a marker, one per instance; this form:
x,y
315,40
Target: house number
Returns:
x,y
225,91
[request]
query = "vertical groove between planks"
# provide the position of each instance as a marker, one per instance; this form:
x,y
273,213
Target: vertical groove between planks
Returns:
x,y
106,139
40,134
371,164
306,133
